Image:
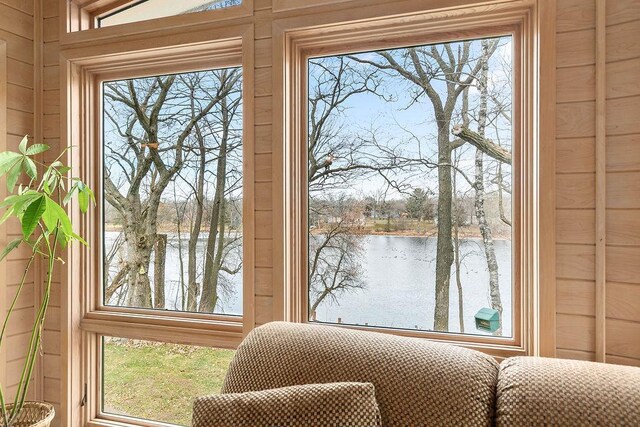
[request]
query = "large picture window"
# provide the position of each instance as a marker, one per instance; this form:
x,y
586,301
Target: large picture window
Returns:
x,y
172,150
165,286
409,187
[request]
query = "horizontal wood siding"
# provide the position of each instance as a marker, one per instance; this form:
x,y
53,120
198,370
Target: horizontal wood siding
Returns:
x,y
576,180
52,363
18,31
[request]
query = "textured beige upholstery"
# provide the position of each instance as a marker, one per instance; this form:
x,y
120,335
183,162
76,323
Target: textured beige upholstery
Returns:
x,y
537,391
333,404
421,383
417,383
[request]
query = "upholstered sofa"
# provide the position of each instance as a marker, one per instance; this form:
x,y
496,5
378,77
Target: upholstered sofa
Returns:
x,y
420,383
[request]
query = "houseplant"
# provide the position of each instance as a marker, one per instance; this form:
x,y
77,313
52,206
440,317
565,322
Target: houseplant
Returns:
x,y
38,205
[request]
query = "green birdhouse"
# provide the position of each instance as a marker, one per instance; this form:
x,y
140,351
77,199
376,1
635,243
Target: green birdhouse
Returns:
x,y
488,319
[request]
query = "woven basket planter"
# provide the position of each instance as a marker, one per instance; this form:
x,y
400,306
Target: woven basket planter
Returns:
x,y
33,414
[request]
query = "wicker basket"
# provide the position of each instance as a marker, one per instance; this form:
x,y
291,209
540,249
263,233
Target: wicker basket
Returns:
x,y
33,414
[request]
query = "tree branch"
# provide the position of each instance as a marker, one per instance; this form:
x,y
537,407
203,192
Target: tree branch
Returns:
x,y
486,145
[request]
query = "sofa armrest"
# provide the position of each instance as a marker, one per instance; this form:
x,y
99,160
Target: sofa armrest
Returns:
x,y
540,391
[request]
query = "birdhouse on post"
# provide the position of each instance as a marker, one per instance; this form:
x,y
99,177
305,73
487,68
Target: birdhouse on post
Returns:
x,y
488,319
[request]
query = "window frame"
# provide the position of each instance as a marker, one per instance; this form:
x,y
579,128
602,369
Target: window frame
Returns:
x,y
86,318
82,15
295,41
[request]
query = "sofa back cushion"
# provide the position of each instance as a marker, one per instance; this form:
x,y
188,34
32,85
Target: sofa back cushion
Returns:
x,y
539,391
310,405
416,382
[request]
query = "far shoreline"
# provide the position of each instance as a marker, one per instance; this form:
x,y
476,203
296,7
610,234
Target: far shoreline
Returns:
x,y
423,236
463,234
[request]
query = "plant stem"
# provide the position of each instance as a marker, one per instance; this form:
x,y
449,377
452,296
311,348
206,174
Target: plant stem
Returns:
x,y
36,333
3,409
6,322
15,298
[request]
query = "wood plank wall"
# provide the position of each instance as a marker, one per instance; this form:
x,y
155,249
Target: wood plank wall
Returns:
x,y
263,161
17,30
576,175
587,276
51,135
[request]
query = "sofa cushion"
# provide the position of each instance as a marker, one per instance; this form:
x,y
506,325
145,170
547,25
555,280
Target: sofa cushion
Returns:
x,y
539,391
333,404
418,383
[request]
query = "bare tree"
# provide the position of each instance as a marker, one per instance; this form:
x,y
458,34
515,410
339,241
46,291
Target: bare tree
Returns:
x,y
423,67
335,252
485,228
486,147
147,135
216,245
335,158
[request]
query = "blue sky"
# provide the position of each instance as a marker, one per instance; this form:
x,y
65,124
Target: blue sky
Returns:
x,y
394,122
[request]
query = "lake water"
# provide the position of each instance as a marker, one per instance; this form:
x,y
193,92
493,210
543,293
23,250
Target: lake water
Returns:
x,y
400,292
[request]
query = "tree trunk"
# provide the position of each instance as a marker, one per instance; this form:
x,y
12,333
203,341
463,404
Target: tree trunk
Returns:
x,y
485,228
159,263
444,251
192,287
456,246
503,216
140,230
139,248
183,288
213,256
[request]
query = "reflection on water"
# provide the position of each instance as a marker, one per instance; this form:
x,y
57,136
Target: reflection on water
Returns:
x,y
400,277
229,286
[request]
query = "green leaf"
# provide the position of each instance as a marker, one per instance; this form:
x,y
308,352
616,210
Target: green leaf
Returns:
x,y
91,195
37,149
63,240
8,159
30,168
6,215
23,144
83,200
79,239
16,204
50,215
65,222
24,200
9,201
69,194
12,176
51,181
54,215
32,216
10,247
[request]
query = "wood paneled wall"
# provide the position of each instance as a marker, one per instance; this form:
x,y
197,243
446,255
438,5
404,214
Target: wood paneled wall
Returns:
x,y
263,161
18,32
575,186
598,180
50,122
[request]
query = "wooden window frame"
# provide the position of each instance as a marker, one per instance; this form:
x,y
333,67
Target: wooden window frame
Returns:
x,y
296,39
85,318
81,16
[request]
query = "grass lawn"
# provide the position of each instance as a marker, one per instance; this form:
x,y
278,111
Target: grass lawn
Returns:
x,y
160,381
